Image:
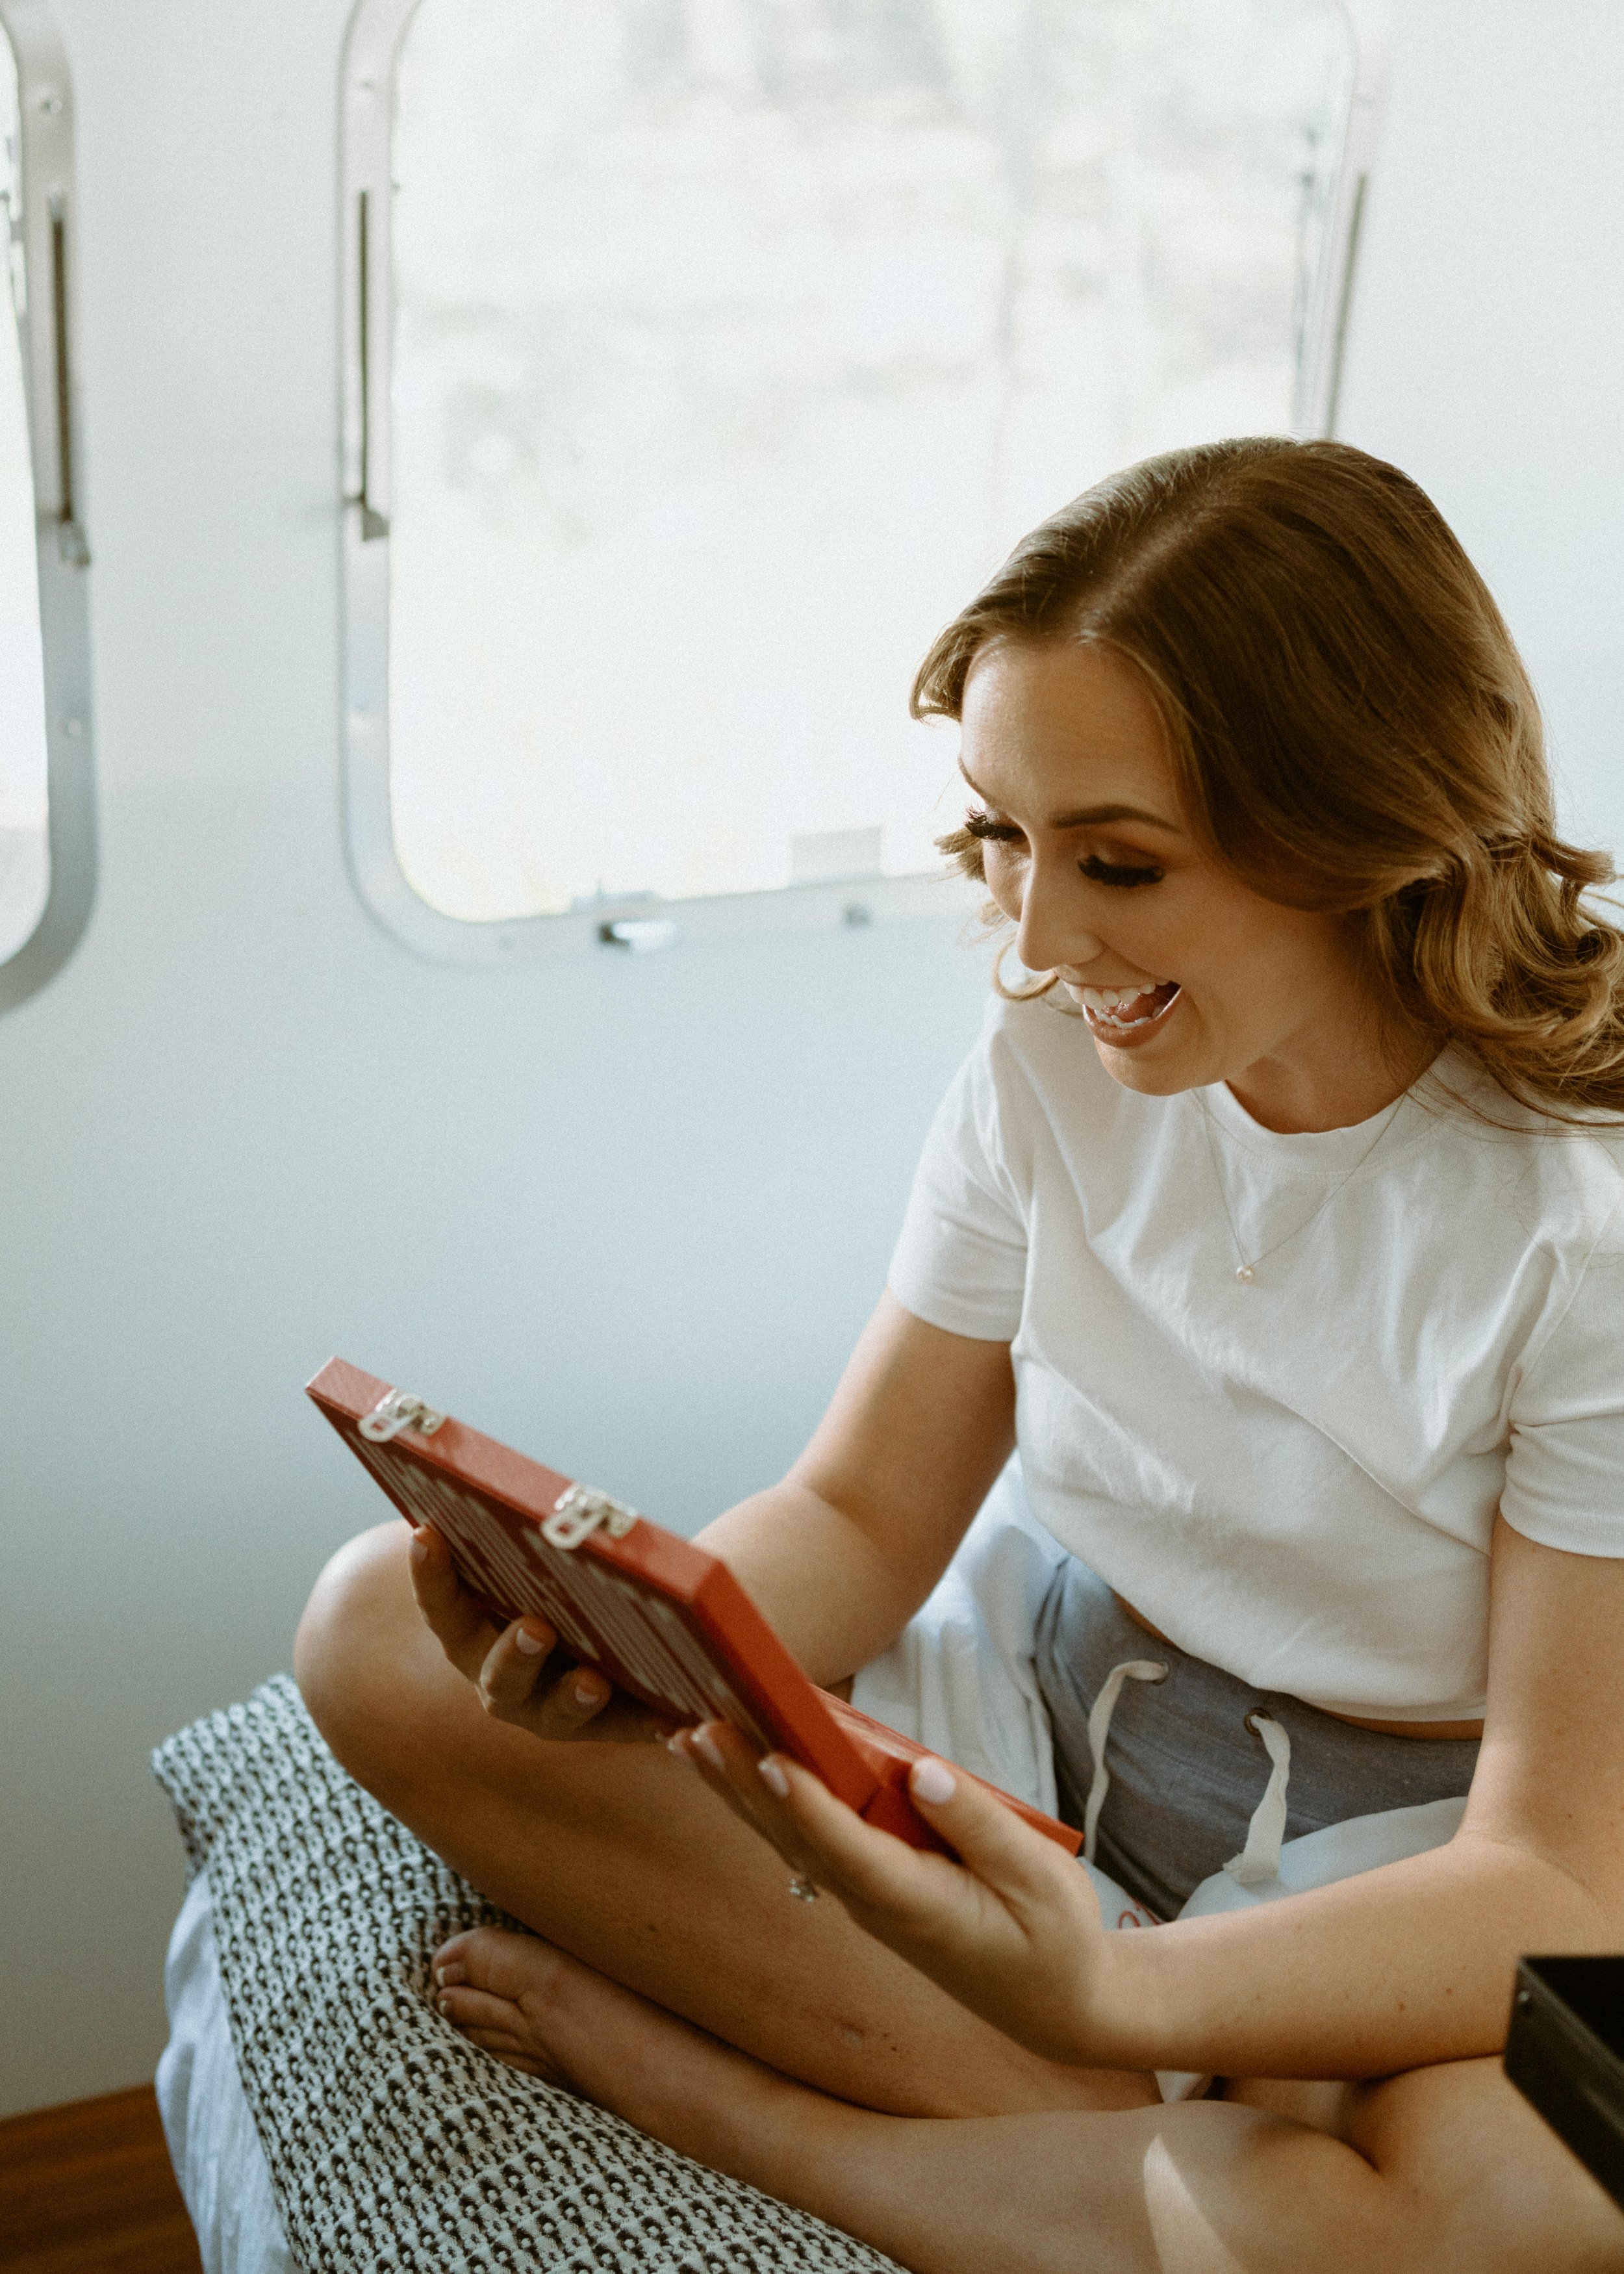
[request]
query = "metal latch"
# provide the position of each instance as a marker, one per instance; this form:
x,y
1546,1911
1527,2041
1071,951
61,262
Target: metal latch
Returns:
x,y
577,1514
395,1412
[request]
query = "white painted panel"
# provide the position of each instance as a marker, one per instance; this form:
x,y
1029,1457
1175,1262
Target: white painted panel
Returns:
x,y
1487,339
631,1214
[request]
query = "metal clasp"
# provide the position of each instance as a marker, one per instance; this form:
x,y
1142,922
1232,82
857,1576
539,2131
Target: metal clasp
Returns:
x,y
395,1412
577,1514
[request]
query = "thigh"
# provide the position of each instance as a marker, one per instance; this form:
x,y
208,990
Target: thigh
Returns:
x,y
619,1854
1473,2181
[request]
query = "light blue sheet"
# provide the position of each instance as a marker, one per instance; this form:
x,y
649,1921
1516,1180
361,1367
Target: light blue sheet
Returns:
x,y
212,2142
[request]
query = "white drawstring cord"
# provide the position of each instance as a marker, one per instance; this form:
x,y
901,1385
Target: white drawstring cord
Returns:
x,y
1135,1669
1259,1858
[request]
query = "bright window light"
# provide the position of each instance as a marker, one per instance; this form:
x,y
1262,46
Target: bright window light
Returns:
x,y
734,343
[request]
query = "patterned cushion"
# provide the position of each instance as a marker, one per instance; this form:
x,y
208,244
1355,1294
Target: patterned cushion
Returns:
x,y
391,2143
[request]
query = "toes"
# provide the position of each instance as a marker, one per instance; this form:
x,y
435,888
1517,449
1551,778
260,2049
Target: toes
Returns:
x,y
447,1961
494,1959
476,2009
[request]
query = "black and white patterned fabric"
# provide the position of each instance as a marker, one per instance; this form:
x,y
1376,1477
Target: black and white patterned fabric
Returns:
x,y
390,2143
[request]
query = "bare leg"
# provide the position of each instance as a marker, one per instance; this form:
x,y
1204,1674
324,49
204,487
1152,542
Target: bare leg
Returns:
x,y
1444,2171
619,1854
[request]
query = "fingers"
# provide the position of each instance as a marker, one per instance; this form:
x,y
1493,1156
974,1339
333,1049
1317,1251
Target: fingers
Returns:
x,y
1017,1863
513,1667
819,1837
462,1631
871,1871
877,1876
508,1666
729,1765
517,1684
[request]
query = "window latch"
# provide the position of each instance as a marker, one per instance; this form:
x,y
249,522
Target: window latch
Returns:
x,y
641,935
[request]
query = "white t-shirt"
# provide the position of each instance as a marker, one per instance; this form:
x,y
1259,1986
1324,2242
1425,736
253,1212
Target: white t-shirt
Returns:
x,y
1294,1480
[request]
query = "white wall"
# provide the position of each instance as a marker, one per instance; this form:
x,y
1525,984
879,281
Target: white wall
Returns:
x,y
1488,338
630,1214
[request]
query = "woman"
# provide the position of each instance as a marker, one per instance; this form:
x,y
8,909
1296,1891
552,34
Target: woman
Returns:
x,y
1292,1259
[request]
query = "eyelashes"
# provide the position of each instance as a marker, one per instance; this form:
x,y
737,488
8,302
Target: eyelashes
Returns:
x,y
1098,872
1108,872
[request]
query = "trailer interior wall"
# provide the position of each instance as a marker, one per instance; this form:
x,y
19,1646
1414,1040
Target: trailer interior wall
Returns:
x,y
632,1212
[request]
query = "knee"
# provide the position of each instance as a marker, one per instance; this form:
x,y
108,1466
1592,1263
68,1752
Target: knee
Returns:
x,y
360,1620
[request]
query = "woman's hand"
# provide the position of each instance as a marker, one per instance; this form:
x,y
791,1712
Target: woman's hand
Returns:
x,y
1011,1929
515,1670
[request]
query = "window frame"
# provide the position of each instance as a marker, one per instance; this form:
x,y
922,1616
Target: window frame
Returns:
x,y
372,46
50,333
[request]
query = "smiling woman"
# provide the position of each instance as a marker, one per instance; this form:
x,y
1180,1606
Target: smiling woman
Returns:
x,y
1066,746
1278,599
1262,796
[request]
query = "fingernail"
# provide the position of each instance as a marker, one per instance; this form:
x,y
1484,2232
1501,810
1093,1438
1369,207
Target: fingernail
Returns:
x,y
773,1777
420,1547
934,1782
704,1742
587,1693
531,1645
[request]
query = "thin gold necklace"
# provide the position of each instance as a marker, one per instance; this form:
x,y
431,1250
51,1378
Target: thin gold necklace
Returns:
x,y
1247,1269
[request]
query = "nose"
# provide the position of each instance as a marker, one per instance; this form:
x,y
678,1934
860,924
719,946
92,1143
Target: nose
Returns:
x,y
1049,932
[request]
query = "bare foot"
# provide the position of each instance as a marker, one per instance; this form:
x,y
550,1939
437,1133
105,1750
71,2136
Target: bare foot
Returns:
x,y
538,2009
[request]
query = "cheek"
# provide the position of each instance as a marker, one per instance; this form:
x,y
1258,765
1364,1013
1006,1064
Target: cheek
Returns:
x,y
1006,878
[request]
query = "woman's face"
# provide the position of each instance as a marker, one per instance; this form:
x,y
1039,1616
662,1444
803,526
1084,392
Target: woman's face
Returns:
x,y
1187,977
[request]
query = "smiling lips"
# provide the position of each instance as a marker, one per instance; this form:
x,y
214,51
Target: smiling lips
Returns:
x,y
1113,1011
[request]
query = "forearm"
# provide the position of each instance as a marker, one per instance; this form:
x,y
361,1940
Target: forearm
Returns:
x,y
1397,1968
822,1578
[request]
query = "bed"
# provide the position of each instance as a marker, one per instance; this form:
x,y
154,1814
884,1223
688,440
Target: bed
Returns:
x,y
323,2118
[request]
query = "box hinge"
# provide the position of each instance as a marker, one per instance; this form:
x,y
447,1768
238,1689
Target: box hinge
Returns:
x,y
400,1410
577,1514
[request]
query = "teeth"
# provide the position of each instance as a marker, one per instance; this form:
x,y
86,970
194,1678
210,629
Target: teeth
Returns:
x,y
1104,1001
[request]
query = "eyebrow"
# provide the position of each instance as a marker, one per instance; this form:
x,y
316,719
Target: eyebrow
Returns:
x,y
1093,814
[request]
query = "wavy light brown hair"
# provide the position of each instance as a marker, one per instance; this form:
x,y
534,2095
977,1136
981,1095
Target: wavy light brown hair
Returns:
x,y
1352,728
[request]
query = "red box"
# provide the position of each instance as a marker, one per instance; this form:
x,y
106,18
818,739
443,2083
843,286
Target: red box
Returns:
x,y
664,1621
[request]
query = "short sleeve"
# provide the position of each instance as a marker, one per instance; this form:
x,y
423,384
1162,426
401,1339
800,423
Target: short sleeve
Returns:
x,y
961,1261
1565,1469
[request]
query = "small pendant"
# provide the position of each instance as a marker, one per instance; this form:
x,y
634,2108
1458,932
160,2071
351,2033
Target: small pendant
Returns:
x,y
1247,1273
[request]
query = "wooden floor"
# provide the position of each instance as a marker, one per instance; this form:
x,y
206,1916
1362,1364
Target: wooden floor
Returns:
x,y
88,2189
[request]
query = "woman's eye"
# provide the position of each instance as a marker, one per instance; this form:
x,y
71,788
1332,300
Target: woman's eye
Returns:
x,y
1108,872
997,832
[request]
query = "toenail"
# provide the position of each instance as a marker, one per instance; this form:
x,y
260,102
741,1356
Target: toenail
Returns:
x,y
706,1746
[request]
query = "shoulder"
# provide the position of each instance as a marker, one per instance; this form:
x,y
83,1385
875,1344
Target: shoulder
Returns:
x,y
1561,1184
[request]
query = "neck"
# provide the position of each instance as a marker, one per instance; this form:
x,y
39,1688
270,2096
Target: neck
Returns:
x,y
1298,1096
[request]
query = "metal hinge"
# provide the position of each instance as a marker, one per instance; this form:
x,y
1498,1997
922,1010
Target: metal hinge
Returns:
x,y
396,1412
577,1514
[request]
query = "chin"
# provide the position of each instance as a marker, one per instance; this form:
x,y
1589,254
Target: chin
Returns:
x,y
1149,1074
